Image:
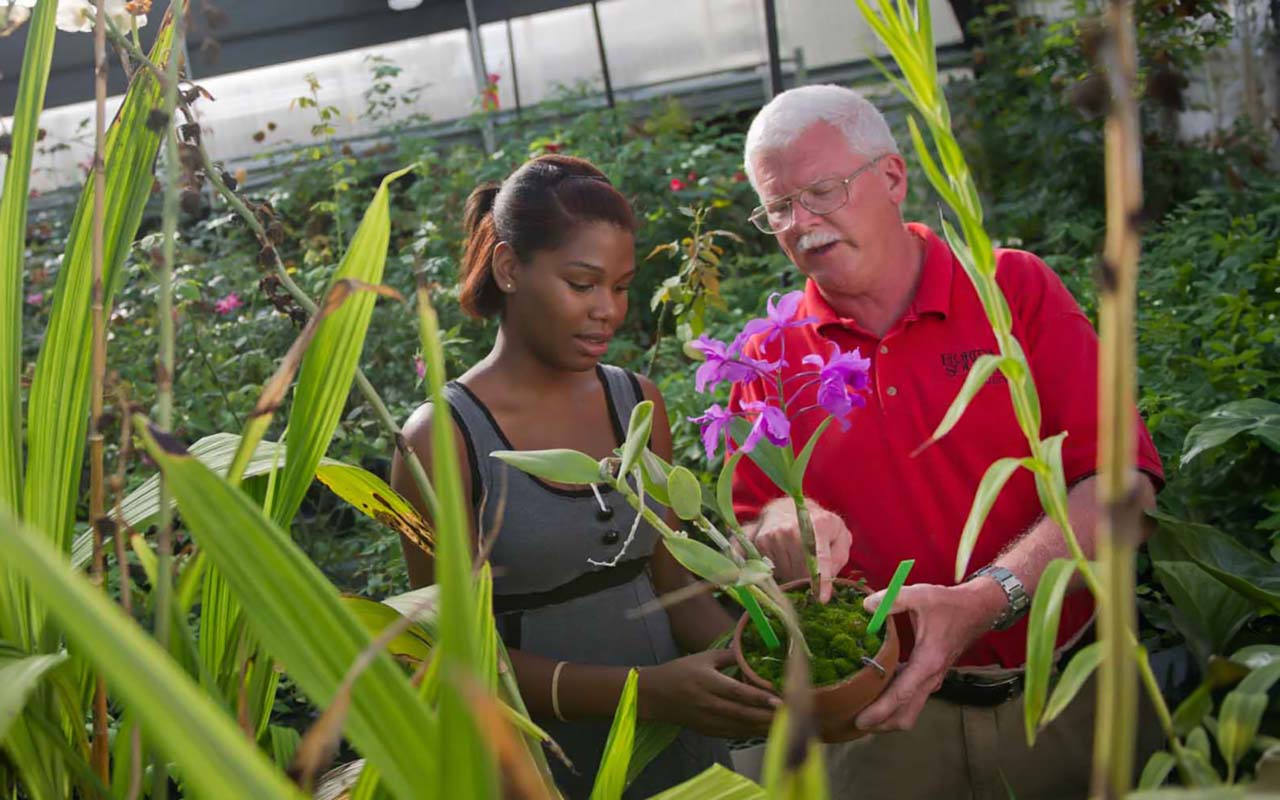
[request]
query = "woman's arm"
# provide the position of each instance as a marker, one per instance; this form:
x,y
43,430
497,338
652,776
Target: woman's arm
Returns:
x,y
698,620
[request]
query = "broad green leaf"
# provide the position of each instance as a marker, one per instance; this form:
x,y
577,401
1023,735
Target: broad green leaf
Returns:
x,y
802,461
653,472
753,572
1260,680
705,562
638,430
611,778
1238,721
1257,656
284,744
1196,755
1157,769
685,493
1042,634
297,616
58,402
724,491
328,369
1192,711
1258,417
782,778
1206,611
376,617
981,371
1073,677
651,739
19,676
33,78
772,460
997,475
716,783
1245,571
558,466
181,721
369,493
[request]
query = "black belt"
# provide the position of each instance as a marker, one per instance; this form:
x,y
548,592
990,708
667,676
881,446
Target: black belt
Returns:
x,y
581,586
974,689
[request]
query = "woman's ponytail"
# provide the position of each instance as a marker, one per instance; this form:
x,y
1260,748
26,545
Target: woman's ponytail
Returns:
x,y
480,296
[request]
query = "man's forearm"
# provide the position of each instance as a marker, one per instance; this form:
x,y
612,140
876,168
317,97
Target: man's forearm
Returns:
x,y
1031,553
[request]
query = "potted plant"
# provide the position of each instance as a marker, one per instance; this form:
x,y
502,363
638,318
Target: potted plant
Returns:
x,y
850,665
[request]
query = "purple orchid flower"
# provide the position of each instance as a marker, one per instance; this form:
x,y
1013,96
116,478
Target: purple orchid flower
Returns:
x,y
726,363
840,377
780,315
714,423
770,424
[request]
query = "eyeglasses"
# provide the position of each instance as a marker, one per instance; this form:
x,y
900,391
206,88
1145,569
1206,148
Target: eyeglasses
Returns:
x,y
820,198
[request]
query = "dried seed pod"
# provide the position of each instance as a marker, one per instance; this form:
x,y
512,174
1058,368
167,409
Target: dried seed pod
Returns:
x,y
189,157
6,144
190,132
190,201
1091,97
266,256
275,232
227,179
157,119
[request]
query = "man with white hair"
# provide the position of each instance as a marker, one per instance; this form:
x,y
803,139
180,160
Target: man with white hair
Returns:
x,y
831,184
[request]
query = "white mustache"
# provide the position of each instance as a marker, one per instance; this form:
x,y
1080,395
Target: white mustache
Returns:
x,y
816,239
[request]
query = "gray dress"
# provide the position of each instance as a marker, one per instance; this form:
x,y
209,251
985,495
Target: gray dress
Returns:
x,y
550,601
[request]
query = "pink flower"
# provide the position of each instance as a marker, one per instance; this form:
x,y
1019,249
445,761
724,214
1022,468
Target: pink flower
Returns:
x,y
726,363
228,304
494,77
780,316
693,176
35,299
420,366
841,377
676,184
770,424
714,423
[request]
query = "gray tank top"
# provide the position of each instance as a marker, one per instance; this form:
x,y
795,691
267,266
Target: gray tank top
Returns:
x,y
551,600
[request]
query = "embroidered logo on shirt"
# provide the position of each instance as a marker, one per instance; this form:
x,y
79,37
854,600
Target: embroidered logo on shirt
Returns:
x,y
958,363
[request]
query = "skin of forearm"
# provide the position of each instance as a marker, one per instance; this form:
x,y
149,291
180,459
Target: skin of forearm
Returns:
x,y
1031,553
698,621
586,691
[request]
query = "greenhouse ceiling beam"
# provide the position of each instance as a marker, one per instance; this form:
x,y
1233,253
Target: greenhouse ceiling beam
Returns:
x,y
774,60
256,34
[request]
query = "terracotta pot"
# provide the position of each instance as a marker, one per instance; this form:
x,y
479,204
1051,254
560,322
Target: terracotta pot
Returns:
x,y
835,705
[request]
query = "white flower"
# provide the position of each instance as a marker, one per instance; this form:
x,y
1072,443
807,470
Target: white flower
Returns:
x,y
77,16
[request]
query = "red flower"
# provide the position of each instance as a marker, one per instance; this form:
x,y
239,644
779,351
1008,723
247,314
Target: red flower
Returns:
x,y
551,147
228,304
739,176
493,77
676,184
420,366
693,176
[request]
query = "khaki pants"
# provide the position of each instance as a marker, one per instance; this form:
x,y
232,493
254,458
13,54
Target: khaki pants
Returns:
x,y
972,753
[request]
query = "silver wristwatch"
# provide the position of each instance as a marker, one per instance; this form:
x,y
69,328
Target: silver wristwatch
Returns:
x,y
1013,590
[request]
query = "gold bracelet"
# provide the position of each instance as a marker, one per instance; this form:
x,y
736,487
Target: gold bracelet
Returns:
x,y
555,691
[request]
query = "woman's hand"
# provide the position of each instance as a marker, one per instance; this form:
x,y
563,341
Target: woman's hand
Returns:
x,y
691,692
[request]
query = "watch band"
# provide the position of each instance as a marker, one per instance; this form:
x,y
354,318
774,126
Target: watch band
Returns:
x,y
1014,592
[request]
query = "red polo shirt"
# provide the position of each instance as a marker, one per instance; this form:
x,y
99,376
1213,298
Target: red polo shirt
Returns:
x,y
901,507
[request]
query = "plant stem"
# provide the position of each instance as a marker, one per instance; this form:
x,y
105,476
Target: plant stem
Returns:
x,y
98,369
808,540
122,565
164,368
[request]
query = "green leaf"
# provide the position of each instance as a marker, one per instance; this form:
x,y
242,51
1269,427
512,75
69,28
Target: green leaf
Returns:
x,y
717,782
180,720
1206,611
653,472
414,644
1255,416
1245,571
58,402
298,618
1238,721
611,778
997,475
1157,769
724,491
559,466
1073,677
328,368
782,776
1042,635
772,460
33,78
19,676
651,739
637,435
686,494
369,493
703,561
802,461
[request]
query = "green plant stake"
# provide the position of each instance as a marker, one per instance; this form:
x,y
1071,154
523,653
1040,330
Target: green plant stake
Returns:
x,y
890,594
758,618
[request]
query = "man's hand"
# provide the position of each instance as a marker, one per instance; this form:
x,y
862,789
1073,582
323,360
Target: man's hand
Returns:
x,y
947,620
778,538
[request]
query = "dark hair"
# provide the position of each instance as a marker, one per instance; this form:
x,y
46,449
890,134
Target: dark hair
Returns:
x,y
535,208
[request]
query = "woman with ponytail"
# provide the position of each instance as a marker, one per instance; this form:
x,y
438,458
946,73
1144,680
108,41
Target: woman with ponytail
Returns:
x,y
549,255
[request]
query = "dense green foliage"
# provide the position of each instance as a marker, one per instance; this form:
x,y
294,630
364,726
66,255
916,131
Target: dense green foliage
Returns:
x,y
836,633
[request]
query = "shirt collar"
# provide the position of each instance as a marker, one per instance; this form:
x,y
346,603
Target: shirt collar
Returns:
x,y
933,294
